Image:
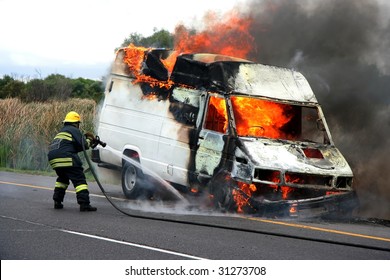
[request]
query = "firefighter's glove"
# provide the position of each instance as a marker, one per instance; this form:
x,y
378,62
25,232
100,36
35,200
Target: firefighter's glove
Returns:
x,y
89,135
91,139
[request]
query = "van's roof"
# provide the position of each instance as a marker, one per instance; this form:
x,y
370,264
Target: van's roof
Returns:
x,y
227,75
275,82
242,76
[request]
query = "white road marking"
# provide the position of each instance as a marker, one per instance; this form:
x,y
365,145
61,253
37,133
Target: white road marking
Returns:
x,y
135,245
109,239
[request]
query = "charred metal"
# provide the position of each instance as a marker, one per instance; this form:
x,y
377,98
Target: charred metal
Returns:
x,y
251,135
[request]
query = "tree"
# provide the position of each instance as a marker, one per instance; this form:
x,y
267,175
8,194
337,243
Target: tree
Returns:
x,y
10,87
53,87
36,91
159,39
85,88
59,86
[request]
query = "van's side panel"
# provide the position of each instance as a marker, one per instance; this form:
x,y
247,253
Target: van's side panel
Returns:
x,y
178,128
174,151
130,120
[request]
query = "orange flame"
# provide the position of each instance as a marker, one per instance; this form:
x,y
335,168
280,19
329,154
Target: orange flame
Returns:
x,y
242,196
170,61
260,118
229,37
254,117
285,191
217,115
134,56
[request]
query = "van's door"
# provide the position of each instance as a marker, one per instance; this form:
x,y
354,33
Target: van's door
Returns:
x,y
177,136
211,138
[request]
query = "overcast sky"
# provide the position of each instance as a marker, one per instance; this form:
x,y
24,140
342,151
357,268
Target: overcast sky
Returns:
x,y
77,38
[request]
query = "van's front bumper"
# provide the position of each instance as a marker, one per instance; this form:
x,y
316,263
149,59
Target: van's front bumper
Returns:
x,y
335,205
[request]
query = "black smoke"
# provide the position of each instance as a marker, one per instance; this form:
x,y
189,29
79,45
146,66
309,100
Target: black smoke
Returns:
x,y
343,48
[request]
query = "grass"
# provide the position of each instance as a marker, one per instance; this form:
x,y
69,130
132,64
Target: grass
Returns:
x,y
26,129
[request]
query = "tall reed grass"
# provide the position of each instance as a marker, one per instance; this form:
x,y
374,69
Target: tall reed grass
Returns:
x,y
26,129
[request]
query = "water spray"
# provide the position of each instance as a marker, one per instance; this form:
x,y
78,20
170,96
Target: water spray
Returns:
x,y
168,187
164,183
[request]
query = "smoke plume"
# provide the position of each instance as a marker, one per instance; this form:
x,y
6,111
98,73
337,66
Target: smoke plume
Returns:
x,y
342,47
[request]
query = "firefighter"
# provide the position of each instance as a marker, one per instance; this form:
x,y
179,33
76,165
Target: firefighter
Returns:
x,y
63,158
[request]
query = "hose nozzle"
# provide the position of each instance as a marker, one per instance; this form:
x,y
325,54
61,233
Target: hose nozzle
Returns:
x,y
101,143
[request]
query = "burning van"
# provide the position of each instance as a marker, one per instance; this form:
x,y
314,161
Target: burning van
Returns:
x,y
251,136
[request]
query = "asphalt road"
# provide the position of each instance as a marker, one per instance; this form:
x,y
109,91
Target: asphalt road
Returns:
x,y
31,229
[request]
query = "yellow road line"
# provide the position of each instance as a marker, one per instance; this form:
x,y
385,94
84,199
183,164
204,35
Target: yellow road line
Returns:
x,y
41,187
51,189
26,185
321,229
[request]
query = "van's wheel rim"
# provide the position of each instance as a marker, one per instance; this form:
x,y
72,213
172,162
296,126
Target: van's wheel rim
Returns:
x,y
130,178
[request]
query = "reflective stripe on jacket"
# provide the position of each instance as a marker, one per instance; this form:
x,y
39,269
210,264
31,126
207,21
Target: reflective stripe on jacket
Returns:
x,y
64,149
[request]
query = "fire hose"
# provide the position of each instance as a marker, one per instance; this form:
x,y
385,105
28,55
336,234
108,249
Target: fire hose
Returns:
x,y
103,144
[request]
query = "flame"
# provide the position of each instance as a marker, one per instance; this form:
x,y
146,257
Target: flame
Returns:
x,y
150,96
332,192
134,57
242,196
285,191
254,117
294,209
260,118
194,190
217,117
230,36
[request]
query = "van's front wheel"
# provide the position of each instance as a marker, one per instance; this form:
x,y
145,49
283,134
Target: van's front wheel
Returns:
x,y
220,188
131,181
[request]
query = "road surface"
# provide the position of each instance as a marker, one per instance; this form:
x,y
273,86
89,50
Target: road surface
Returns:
x,y
31,229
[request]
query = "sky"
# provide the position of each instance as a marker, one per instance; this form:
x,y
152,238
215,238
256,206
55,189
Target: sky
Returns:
x,y
77,38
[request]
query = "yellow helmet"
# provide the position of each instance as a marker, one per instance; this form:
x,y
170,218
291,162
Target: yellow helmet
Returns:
x,y
72,117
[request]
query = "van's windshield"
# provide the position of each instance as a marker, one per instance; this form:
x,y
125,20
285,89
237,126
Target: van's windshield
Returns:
x,y
264,118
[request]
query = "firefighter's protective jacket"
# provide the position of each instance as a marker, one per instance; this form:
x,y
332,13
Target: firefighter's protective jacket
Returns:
x,y
64,149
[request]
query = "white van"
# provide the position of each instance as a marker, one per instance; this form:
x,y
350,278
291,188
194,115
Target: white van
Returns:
x,y
252,136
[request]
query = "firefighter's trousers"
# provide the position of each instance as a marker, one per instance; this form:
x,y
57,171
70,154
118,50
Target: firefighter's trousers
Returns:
x,y
77,176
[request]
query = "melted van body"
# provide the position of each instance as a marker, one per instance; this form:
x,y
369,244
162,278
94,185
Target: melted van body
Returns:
x,y
253,136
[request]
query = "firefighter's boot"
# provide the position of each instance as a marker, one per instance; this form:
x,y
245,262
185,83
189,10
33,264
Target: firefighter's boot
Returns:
x,y
87,208
58,205
58,197
83,200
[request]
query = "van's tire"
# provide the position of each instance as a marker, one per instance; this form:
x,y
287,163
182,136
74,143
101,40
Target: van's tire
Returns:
x,y
222,192
223,199
132,178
